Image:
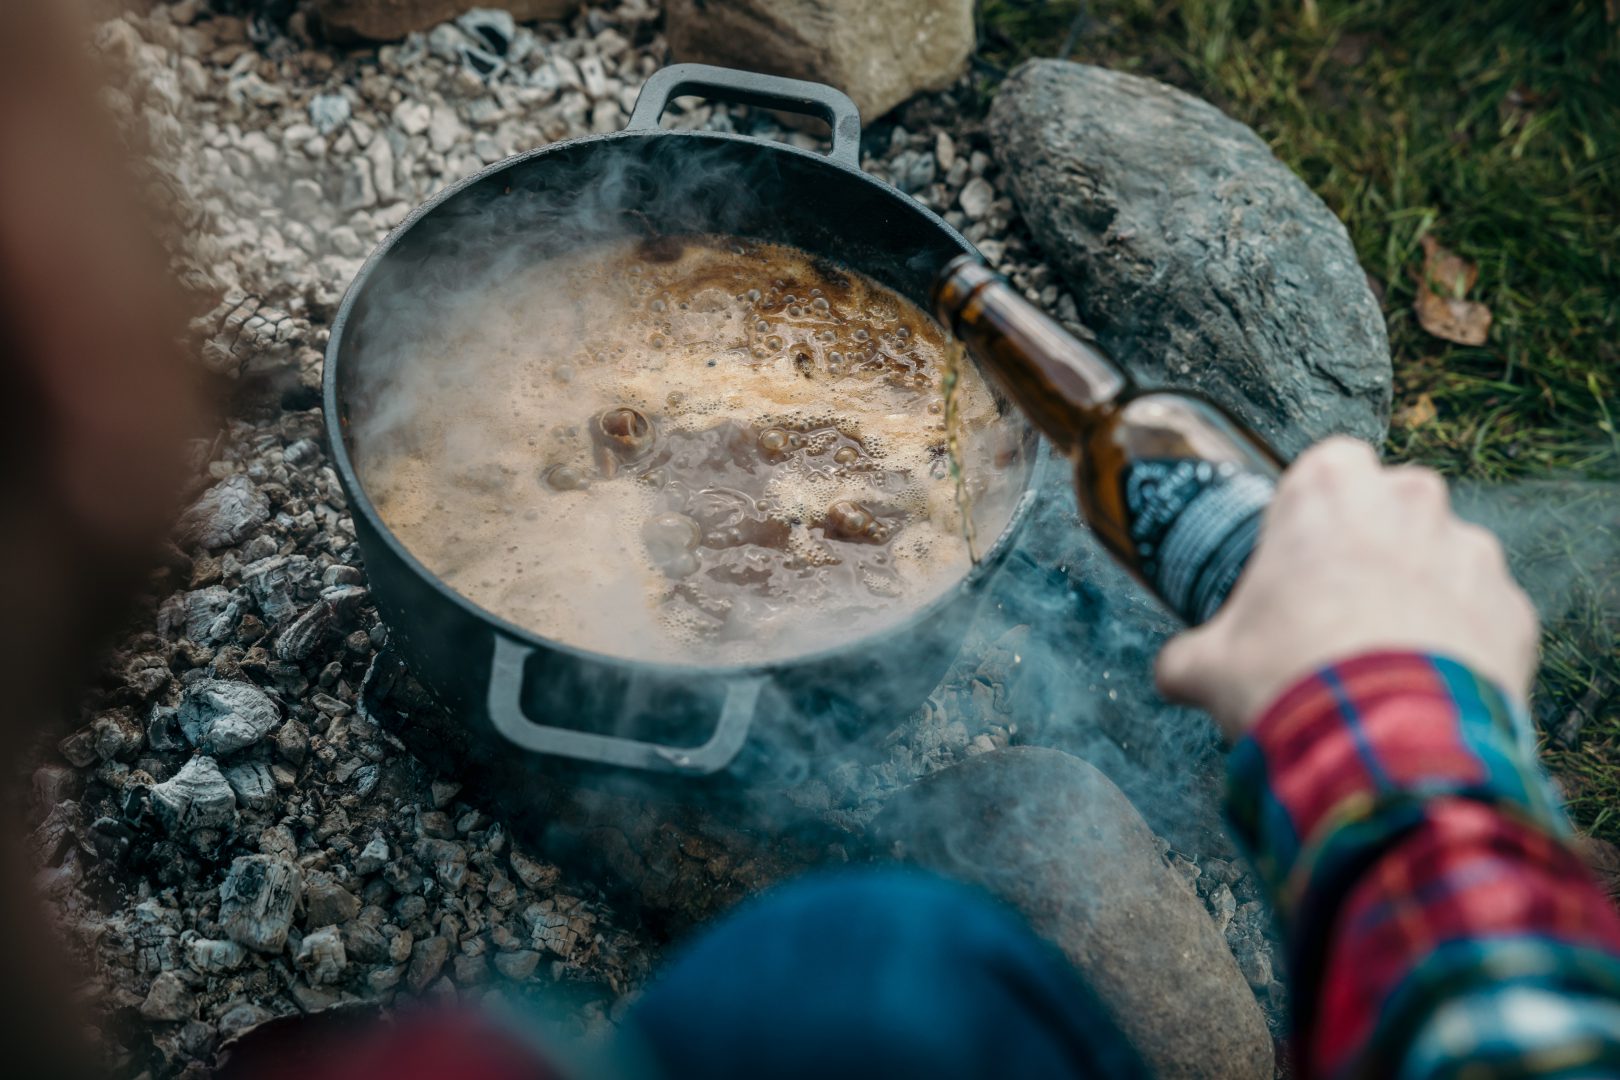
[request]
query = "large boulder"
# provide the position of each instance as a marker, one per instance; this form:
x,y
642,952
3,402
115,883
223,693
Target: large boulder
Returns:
x,y
390,20
1053,837
1195,255
879,52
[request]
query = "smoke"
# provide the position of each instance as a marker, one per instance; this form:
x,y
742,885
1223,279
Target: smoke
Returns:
x,y
1060,652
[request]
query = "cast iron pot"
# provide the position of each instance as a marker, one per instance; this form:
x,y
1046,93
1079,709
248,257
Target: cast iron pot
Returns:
x,y
519,691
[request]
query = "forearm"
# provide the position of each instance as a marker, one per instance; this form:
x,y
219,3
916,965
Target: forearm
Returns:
x,y
1417,860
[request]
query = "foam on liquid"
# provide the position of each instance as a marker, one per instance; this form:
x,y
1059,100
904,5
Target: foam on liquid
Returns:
x,y
475,442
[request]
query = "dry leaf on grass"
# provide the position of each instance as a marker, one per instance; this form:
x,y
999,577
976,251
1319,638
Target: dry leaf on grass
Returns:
x,y
1415,415
1440,307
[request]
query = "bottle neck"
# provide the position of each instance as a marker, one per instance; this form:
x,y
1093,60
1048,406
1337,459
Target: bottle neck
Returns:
x,y
1064,385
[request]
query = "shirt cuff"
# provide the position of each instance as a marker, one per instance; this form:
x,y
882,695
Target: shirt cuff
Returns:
x,y
1347,758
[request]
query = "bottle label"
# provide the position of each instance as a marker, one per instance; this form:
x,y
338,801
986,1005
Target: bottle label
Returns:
x,y
1193,524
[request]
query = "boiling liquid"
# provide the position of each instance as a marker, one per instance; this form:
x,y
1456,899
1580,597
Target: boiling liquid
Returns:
x,y
699,450
950,383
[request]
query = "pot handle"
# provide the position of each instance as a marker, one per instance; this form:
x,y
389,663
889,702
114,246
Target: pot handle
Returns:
x,y
752,88
506,713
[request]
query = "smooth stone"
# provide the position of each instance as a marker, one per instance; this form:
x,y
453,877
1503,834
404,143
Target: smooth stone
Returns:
x,y
1196,257
1054,838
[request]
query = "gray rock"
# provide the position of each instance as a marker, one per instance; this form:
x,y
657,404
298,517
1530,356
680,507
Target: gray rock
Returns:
x,y
1052,836
222,715
328,112
225,513
168,999
976,197
359,188
390,20
879,52
1196,256
196,797
256,901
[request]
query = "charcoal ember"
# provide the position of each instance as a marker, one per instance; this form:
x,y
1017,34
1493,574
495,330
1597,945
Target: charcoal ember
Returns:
x,y
222,716
345,600
517,965
257,900
535,875
224,514
255,788
500,891
196,797
373,857
50,840
281,585
339,574
364,944
163,729
117,735
212,956
206,616
326,902
251,337
435,823
169,999
110,839
146,674
469,970
56,882
447,859
292,742
559,931
79,748
53,784
305,632
428,957
383,978
321,956
241,1017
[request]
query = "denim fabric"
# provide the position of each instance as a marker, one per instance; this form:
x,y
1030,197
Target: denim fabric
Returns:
x,y
878,973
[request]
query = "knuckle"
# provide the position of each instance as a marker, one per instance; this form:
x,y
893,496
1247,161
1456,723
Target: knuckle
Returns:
x,y
1329,460
1482,544
1420,485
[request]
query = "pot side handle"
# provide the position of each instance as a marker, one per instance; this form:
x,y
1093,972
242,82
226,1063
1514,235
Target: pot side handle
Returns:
x,y
752,88
506,713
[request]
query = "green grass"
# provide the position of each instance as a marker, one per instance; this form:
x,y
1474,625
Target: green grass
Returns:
x,y
1495,126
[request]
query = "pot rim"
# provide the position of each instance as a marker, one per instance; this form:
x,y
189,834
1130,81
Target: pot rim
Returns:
x,y
360,503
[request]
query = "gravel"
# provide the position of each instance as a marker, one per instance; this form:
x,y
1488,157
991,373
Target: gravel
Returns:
x,y
229,835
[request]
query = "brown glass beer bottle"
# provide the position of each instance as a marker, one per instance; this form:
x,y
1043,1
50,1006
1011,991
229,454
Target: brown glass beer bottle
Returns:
x,y
1173,484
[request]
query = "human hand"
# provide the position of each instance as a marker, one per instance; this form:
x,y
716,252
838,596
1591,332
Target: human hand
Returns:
x,y
1353,557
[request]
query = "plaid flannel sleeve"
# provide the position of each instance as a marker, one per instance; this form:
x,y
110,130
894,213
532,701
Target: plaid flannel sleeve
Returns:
x,y
1438,924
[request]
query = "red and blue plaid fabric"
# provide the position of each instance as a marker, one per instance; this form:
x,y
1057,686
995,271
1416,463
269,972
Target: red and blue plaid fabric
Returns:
x,y
1438,924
